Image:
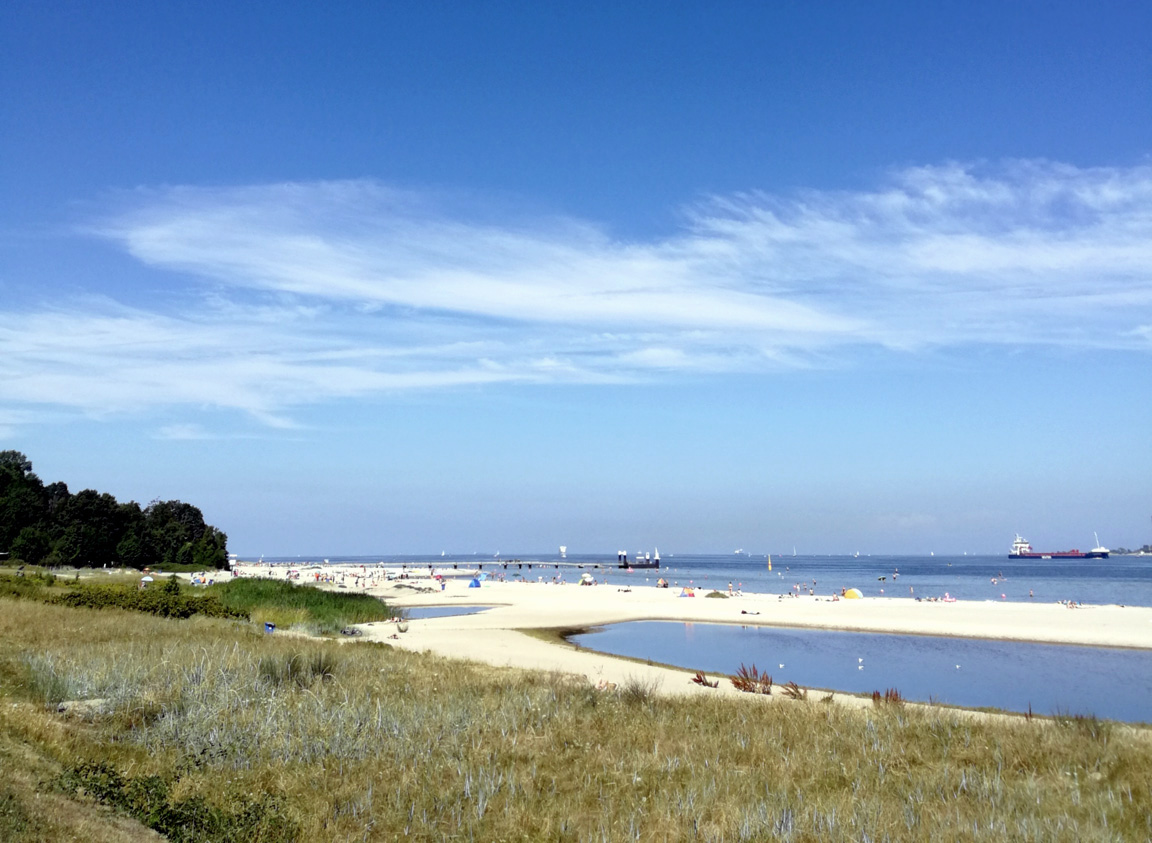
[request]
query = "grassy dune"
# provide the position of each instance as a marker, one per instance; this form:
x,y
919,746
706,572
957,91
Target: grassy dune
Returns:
x,y
304,608
211,724
286,604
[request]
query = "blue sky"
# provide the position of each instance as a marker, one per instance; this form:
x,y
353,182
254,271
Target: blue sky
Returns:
x,y
402,278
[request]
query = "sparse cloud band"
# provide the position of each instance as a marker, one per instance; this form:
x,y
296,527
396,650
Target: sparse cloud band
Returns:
x,y
318,291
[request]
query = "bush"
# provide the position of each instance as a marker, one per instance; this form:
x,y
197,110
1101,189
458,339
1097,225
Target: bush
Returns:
x,y
192,820
26,588
166,602
752,681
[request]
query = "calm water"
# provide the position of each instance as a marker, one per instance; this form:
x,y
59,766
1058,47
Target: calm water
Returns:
x,y
1116,684
1052,679
1125,580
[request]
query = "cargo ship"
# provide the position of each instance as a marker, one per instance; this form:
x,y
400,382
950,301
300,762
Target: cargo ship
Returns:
x,y
1021,549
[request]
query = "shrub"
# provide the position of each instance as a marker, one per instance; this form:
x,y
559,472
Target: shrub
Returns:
x,y
21,587
148,799
752,681
891,697
163,601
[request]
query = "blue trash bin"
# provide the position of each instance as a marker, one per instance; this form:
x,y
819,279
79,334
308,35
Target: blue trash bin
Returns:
x,y
269,627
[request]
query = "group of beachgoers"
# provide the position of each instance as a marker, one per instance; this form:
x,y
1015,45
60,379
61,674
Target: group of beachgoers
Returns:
x,y
369,577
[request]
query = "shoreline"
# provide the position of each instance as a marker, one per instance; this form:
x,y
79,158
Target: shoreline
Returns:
x,y
502,635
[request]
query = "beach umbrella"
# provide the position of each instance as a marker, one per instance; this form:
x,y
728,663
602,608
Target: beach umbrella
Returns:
x,y
146,579
853,594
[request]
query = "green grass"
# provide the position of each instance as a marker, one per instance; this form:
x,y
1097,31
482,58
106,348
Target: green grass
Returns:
x,y
284,604
288,605
213,721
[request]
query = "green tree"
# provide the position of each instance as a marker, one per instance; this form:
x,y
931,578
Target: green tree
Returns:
x,y
21,497
93,529
184,554
211,551
15,462
32,545
50,524
130,551
169,526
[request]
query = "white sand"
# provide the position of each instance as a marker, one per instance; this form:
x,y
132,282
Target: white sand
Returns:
x,y
494,636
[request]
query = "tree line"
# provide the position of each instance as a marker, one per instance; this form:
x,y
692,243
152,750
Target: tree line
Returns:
x,y
48,525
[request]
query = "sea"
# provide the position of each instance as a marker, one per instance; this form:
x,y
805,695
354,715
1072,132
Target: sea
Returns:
x,y
1121,580
1044,679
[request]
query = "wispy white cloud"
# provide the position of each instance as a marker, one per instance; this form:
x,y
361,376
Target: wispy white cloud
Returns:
x,y
336,290
189,432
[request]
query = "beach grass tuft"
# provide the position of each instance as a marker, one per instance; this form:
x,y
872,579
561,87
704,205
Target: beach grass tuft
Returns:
x,y
638,691
794,692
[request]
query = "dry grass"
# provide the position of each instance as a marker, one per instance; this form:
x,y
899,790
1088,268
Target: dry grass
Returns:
x,y
29,811
364,742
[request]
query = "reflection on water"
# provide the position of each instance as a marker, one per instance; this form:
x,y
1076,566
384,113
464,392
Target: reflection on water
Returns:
x,y
1111,683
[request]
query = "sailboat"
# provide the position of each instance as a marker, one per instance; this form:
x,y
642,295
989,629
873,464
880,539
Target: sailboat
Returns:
x,y
769,561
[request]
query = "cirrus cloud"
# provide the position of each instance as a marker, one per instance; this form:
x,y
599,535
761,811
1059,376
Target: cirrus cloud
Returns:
x,y
312,292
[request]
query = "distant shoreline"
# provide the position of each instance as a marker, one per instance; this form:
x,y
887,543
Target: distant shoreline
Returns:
x,y
508,634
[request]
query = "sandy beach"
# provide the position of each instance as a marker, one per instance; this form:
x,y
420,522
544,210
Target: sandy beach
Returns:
x,y
497,636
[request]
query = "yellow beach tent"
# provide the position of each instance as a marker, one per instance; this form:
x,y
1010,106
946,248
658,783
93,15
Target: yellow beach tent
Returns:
x,y
853,594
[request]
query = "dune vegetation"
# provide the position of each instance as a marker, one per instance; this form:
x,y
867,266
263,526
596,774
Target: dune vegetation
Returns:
x,y
114,722
302,608
288,605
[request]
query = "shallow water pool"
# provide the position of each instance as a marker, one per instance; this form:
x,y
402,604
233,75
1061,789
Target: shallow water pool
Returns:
x,y
1051,679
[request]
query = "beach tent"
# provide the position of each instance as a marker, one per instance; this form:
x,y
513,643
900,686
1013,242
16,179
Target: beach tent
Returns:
x,y
853,594
475,583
